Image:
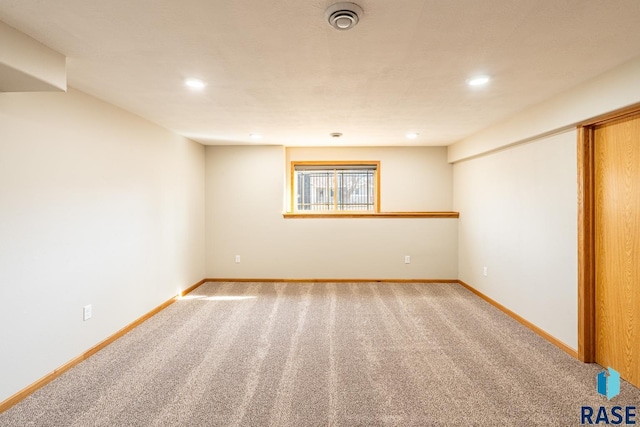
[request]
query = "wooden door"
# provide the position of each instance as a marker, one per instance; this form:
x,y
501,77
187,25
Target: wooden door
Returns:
x,y
617,246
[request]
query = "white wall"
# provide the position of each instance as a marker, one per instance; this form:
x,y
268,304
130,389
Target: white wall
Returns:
x,y
97,206
245,201
519,219
515,187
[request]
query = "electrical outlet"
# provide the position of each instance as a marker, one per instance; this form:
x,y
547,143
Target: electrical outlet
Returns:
x,y
86,312
237,259
407,259
485,271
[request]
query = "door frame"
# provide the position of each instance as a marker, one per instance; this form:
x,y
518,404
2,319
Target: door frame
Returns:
x,y
586,230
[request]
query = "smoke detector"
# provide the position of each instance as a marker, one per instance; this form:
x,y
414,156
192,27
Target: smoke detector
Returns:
x,y
344,16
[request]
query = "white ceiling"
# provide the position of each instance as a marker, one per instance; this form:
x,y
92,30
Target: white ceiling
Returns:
x,y
277,68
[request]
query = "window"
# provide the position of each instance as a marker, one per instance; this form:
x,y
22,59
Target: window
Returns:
x,y
335,187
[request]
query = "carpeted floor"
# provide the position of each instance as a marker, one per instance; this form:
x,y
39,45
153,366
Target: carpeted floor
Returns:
x,y
323,354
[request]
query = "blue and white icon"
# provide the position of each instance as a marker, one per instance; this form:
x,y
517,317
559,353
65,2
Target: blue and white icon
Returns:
x,y
609,383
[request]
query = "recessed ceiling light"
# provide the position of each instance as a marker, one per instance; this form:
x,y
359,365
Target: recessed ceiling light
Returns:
x,y
255,136
335,135
412,135
194,84
478,81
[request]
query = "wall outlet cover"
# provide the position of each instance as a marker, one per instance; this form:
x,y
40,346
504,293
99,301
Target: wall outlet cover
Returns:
x,y
86,312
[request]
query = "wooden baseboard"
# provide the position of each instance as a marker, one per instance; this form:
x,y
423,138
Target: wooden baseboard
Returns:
x,y
269,280
553,340
8,403
192,288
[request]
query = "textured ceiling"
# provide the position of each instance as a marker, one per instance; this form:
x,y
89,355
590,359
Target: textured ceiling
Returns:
x,y
277,68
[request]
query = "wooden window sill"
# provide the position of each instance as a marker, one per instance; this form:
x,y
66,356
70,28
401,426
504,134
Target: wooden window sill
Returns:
x,y
290,215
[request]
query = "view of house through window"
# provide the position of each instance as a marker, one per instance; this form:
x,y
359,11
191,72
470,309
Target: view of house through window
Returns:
x,y
335,187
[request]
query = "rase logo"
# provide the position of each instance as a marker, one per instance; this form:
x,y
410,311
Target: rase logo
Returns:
x,y
608,385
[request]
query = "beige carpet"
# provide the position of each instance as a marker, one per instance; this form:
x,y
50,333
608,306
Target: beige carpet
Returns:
x,y
323,354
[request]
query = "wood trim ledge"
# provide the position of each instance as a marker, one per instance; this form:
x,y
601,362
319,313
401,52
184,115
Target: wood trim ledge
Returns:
x,y
9,402
289,215
271,280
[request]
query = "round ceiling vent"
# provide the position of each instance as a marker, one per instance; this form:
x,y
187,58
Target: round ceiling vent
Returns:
x,y
344,16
